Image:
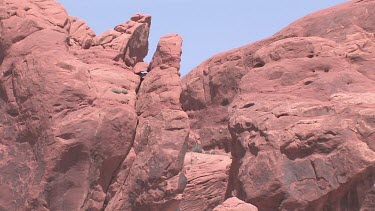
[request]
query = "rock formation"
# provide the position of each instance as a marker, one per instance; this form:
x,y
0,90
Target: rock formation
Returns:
x,y
70,133
234,204
155,180
285,123
207,178
300,112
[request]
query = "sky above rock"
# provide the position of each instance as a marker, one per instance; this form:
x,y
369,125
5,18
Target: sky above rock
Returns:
x,y
208,27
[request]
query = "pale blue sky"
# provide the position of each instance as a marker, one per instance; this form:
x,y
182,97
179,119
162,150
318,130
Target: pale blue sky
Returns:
x,y
208,27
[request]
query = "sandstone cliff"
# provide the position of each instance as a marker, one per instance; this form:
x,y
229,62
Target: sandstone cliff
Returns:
x,y
286,123
77,130
300,112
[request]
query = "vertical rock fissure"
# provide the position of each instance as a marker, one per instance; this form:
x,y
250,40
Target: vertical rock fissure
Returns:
x,y
238,152
115,173
160,143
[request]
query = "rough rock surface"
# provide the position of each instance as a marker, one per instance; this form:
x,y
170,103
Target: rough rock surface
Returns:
x,y
234,204
301,112
155,181
68,116
83,127
207,178
80,33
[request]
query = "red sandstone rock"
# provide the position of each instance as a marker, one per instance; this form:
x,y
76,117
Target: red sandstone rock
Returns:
x,y
207,176
155,181
129,40
80,33
140,67
80,131
67,118
301,123
234,204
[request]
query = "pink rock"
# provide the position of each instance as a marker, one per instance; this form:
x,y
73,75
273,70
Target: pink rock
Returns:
x,y
80,32
129,40
136,47
106,37
293,102
234,204
140,67
63,127
155,181
207,176
168,53
80,130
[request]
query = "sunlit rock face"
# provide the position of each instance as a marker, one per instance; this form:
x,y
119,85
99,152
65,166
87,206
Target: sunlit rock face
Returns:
x,y
68,116
286,123
300,112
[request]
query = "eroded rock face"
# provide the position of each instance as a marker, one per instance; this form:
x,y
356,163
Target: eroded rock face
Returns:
x,y
300,113
155,181
207,91
81,130
67,115
129,40
207,179
80,33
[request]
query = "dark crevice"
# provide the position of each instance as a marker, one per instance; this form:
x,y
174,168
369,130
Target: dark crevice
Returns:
x,y
308,83
66,136
238,152
248,105
281,115
258,63
225,102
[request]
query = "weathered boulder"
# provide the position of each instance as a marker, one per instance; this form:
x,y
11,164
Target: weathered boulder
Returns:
x,y
234,204
140,67
207,178
80,33
129,40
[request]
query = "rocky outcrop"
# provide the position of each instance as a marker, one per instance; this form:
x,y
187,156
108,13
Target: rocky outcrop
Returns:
x,y
86,124
207,177
127,42
299,112
155,181
67,108
234,204
80,33
207,91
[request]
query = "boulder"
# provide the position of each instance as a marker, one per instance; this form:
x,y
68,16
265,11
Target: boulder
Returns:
x,y
234,204
207,178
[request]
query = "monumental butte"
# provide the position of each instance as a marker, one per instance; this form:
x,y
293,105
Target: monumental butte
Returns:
x,y
286,123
